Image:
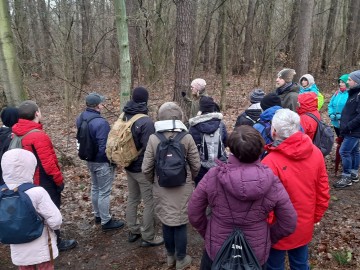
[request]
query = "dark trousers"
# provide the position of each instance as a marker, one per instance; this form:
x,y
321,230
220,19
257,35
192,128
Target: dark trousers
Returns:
x,y
206,262
200,175
337,131
175,238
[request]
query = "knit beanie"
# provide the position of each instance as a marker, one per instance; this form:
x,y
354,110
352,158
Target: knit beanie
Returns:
x,y
287,74
270,100
344,78
199,85
355,76
256,96
207,105
94,99
10,116
140,95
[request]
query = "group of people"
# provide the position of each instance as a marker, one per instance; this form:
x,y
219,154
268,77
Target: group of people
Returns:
x,y
258,187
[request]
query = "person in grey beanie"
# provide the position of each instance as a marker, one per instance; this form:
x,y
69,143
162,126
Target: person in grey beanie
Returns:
x,y
350,131
286,89
251,115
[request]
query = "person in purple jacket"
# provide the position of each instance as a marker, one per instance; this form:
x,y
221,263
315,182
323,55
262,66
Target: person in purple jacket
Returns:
x,y
252,190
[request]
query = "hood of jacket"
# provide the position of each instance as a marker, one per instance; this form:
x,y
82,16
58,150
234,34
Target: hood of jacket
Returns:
x,y
297,147
268,114
308,102
133,108
253,114
18,166
242,180
4,131
344,78
23,126
206,123
309,78
289,87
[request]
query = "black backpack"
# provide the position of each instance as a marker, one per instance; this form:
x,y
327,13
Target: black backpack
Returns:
x,y
170,161
5,140
87,148
324,136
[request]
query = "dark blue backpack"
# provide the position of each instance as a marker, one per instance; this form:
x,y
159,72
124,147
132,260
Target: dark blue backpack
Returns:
x,y
266,131
19,221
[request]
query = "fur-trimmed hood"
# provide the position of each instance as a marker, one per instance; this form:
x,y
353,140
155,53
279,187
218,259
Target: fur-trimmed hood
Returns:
x,y
204,118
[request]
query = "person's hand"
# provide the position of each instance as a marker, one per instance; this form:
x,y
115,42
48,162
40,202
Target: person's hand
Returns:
x,y
183,94
338,116
60,188
332,116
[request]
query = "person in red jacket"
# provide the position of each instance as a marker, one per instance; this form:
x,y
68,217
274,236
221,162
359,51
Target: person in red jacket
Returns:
x,y
47,173
301,168
308,104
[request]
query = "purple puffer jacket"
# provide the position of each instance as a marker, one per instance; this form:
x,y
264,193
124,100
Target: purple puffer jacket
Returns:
x,y
247,186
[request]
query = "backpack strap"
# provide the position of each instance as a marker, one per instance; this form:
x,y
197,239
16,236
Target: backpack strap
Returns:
x,y
134,118
25,186
90,118
176,138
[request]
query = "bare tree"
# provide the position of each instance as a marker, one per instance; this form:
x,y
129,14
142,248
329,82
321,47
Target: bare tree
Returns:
x,y
11,77
182,47
302,44
351,32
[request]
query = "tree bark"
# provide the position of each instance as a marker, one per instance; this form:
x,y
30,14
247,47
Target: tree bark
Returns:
x,y
351,31
223,63
303,37
11,77
182,48
292,33
219,50
206,60
85,40
125,63
245,67
329,36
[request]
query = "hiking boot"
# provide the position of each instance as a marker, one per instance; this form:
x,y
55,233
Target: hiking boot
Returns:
x,y
65,245
157,241
133,237
354,177
182,264
343,182
170,260
112,224
97,220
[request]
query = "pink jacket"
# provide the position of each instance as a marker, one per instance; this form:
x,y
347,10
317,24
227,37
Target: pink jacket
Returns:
x,y
18,167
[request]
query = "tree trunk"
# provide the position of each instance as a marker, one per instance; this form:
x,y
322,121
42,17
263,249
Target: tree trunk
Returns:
x,y
351,31
248,61
219,50
10,75
206,60
329,36
292,33
302,44
223,63
193,33
85,40
125,63
35,38
182,48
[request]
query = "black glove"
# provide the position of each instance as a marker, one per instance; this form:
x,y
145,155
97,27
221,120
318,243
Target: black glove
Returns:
x,y
60,188
183,94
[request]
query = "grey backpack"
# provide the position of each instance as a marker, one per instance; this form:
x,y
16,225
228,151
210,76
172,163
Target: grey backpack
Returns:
x,y
16,141
212,148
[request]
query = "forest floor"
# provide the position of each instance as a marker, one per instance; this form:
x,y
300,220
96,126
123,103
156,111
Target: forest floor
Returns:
x,y
336,241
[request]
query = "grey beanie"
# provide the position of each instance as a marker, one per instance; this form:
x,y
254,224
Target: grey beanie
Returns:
x,y
355,76
94,99
256,95
287,74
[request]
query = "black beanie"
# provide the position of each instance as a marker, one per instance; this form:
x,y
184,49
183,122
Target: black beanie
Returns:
x,y
270,100
10,116
140,95
207,105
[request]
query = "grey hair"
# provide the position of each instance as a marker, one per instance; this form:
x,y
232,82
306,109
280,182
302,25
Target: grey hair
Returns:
x,y
286,123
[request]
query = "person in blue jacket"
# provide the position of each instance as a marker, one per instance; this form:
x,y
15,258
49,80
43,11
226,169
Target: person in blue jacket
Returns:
x,y
337,102
307,84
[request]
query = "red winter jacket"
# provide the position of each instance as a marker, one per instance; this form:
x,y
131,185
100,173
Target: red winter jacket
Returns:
x,y
44,151
308,103
301,168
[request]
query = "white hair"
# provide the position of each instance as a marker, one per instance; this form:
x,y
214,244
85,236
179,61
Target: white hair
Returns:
x,y
285,123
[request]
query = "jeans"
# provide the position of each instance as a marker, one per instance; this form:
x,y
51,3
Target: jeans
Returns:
x,y
140,188
349,152
298,259
175,238
102,177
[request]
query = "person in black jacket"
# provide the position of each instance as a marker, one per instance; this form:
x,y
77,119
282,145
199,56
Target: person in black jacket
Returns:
x,y
9,117
138,187
252,114
350,131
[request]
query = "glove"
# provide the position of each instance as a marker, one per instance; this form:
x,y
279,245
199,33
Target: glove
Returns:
x,y
60,188
332,116
183,94
338,116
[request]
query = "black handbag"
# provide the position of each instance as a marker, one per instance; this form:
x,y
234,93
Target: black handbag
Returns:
x,y
235,253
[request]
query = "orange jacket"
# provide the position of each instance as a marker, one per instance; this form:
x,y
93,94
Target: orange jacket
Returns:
x,y
301,168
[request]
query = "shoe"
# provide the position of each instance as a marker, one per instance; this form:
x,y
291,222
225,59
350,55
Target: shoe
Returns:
x,y
157,241
112,224
182,264
133,237
170,260
65,245
343,182
354,177
97,220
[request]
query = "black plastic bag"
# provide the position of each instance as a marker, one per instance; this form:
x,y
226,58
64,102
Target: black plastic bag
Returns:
x,y
235,254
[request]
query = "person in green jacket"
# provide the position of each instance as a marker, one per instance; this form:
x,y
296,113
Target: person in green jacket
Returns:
x,y
197,91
